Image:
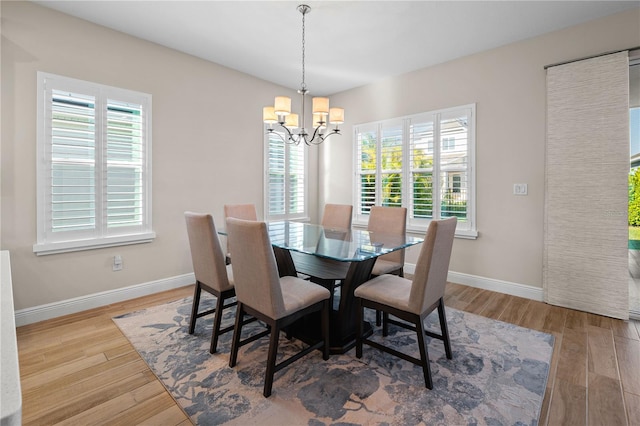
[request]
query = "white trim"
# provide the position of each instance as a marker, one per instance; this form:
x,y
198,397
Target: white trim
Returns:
x,y
514,289
90,301
83,303
99,235
94,243
11,407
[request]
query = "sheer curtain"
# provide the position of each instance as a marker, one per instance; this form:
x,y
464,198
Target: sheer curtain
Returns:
x,y
586,194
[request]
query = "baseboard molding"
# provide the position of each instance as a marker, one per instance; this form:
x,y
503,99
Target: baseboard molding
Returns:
x,y
79,304
83,303
514,289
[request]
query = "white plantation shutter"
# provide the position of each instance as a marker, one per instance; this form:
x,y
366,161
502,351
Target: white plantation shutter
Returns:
x,y
454,165
391,165
93,165
286,180
421,164
125,166
399,163
71,201
296,180
366,164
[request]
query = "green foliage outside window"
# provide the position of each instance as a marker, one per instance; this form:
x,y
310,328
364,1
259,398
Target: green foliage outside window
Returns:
x,y
634,198
391,184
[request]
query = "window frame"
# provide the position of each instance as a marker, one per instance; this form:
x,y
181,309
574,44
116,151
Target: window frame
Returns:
x,y
466,229
304,215
100,236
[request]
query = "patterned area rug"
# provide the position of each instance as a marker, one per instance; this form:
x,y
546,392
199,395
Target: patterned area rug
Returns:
x,y
497,376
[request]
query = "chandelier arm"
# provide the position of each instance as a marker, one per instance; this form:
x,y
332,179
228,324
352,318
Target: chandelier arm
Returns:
x,y
273,132
290,136
327,136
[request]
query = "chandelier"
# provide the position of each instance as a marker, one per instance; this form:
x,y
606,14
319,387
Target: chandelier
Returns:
x,y
280,112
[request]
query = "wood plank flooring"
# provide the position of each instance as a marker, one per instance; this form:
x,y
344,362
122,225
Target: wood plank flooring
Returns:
x,y
80,369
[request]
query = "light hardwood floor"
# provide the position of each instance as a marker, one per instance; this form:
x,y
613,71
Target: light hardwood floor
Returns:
x,y
81,370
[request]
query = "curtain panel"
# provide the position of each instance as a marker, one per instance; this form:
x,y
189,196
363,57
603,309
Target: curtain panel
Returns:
x,y
586,186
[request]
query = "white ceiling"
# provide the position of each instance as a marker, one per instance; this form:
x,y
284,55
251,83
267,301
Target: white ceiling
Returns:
x,y
348,43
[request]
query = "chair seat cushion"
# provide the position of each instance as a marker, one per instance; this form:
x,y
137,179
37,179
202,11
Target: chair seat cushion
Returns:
x,y
382,267
390,290
299,294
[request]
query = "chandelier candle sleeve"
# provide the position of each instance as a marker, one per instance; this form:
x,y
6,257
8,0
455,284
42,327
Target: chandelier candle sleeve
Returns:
x,y
291,121
269,115
320,106
282,105
293,131
336,115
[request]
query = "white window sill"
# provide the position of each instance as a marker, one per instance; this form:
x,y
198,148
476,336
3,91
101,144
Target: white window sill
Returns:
x,y
420,231
91,244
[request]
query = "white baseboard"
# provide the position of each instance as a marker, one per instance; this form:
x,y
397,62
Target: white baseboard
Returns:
x,y
514,289
79,304
83,303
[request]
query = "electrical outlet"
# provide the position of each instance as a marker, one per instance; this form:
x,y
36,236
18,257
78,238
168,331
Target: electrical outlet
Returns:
x,y
519,189
117,263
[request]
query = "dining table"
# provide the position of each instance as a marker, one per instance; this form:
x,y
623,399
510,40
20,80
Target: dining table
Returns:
x,y
330,256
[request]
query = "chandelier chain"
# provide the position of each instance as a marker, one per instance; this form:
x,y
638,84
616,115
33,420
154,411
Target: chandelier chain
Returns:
x,y
304,85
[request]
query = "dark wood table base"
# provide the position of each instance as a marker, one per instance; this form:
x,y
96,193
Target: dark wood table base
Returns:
x,y
343,320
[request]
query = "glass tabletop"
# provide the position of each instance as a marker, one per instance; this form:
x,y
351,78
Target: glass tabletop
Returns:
x,y
345,245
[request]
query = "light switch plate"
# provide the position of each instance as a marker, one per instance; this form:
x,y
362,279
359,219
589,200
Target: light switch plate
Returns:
x,y
520,189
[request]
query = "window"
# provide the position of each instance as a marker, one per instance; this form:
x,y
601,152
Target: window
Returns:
x,y
448,144
286,178
398,164
94,166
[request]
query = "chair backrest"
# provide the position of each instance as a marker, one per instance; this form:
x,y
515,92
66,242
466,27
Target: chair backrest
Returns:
x,y
430,276
389,220
240,211
337,216
206,253
255,271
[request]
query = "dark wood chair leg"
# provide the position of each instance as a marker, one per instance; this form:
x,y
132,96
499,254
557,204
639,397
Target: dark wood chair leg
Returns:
x,y
217,320
271,359
445,329
385,324
237,331
424,353
194,308
325,329
360,327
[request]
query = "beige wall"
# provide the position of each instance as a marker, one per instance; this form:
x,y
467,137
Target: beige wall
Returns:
x,y
508,86
207,147
200,162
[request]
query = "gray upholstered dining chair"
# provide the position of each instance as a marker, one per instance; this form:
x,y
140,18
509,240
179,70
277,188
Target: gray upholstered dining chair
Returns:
x,y
412,300
337,216
393,221
277,301
239,211
388,220
212,275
